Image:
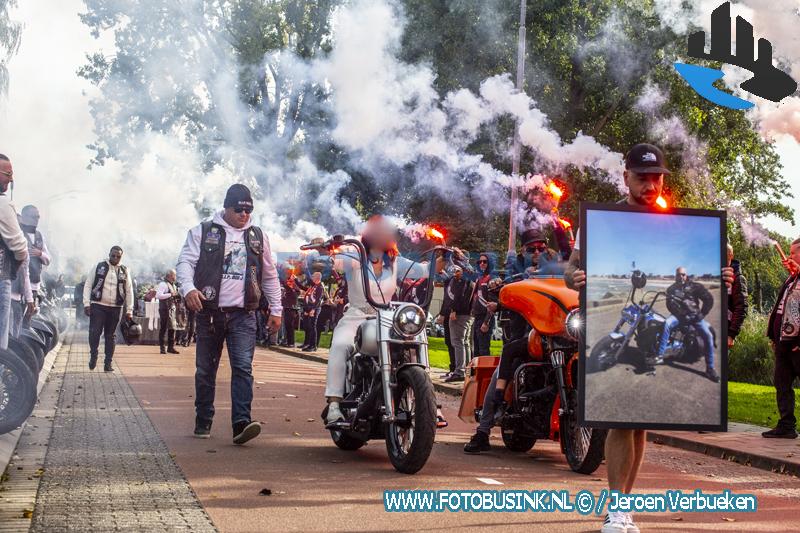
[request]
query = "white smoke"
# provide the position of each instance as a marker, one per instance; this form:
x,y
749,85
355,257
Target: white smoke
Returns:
x,y
387,115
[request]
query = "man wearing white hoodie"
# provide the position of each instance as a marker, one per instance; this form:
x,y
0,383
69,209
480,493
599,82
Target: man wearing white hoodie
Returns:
x,y
224,268
13,251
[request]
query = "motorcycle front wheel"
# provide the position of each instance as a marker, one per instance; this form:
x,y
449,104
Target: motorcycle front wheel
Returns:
x,y
584,447
409,440
604,355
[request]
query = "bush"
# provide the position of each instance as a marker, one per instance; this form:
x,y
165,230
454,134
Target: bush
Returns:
x,y
751,359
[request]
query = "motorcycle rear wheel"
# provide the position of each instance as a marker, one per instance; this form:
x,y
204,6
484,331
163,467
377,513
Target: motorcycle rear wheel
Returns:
x,y
410,443
604,355
17,391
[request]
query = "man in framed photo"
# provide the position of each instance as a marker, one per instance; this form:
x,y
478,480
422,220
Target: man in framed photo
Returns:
x,y
644,173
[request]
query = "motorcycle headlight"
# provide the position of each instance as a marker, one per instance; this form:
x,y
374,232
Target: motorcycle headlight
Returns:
x,y
409,320
573,325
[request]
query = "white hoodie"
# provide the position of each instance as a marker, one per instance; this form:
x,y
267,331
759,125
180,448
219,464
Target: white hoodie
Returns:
x,y
231,293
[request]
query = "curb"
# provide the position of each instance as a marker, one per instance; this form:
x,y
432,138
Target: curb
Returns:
x,y
761,462
444,388
9,441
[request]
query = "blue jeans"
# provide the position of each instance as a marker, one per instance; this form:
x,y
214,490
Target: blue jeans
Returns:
x,y
705,329
486,422
237,329
5,312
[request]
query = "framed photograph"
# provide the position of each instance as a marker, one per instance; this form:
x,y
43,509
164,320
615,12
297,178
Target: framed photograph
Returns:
x,y
654,352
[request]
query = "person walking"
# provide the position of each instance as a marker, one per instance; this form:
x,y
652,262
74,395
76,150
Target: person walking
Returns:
x,y
460,293
166,294
109,292
290,315
784,333
312,302
644,178
224,268
13,252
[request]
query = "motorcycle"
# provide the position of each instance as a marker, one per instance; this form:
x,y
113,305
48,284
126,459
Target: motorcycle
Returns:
x,y
542,397
388,392
640,321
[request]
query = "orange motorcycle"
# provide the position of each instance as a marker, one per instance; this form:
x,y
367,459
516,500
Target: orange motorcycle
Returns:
x,y
542,398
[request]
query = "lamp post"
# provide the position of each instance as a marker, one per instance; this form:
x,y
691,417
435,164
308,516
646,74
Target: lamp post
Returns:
x,y
515,154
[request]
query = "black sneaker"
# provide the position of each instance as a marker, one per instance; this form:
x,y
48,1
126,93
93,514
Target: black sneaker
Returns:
x,y
108,368
163,351
454,378
478,443
245,431
92,362
202,428
712,375
310,349
173,351
780,433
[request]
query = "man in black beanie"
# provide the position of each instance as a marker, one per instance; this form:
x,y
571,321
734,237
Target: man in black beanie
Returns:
x,y
224,269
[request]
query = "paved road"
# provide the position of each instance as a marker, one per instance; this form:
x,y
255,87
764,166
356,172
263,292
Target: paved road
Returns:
x,y
316,487
627,392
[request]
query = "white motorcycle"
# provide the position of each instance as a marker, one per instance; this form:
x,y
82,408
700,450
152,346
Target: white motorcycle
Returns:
x,y
388,392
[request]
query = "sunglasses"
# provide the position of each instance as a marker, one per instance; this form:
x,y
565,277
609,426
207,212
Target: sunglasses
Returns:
x,y
240,210
539,248
483,262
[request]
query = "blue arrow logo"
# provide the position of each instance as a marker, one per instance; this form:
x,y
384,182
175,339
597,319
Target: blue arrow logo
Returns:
x,y
702,79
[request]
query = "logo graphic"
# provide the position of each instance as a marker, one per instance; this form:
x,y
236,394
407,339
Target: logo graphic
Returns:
x,y
767,82
210,293
649,157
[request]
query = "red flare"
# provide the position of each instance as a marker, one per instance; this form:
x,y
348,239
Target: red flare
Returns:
x,y
436,234
555,191
661,202
566,224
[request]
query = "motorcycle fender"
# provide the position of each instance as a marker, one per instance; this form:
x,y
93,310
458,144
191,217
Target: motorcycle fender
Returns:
x,y
406,365
616,335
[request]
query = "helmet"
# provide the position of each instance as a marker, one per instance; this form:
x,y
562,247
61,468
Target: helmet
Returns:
x,y
638,279
131,331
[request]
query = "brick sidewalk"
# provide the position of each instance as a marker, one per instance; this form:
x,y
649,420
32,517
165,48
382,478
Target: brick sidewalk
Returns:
x,y
106,468
742,443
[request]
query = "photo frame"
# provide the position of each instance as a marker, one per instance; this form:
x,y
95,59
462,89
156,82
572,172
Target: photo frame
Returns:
x,y
655,318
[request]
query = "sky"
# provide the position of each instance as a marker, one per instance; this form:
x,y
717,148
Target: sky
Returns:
x,y
662,242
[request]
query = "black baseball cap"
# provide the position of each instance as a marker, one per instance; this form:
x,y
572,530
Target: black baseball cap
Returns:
x,y
238,196
646,159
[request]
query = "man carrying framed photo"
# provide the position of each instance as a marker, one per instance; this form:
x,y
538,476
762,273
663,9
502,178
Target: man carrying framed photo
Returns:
x,y
644,173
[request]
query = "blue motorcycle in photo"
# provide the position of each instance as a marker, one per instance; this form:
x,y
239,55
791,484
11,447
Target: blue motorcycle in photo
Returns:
x,y
640,322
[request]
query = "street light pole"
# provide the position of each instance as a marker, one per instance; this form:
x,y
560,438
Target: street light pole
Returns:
x,y
512,229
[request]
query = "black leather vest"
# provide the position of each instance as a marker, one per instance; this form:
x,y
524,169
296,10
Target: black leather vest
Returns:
x,y
210,265
100,274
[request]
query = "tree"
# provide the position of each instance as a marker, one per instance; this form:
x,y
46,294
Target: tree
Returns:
x,y
9,41
169,75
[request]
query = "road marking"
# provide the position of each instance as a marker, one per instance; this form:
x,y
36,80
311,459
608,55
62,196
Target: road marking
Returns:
x,y
488,481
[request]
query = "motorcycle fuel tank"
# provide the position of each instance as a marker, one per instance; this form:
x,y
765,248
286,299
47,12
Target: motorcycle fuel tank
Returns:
x,y
367,337
543,302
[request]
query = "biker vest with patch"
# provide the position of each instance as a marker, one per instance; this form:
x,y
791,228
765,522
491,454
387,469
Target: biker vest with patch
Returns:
x,y
100,274
210,265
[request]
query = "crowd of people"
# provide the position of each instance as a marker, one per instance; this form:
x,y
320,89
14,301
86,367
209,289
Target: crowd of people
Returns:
x,y
227,290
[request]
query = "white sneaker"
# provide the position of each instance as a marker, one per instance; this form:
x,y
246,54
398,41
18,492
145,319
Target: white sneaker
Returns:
x,y
632,528
334,413
615,523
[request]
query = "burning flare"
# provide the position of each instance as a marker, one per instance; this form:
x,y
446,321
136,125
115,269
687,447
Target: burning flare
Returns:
x,y
566,224
436,234
661,202
555,191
